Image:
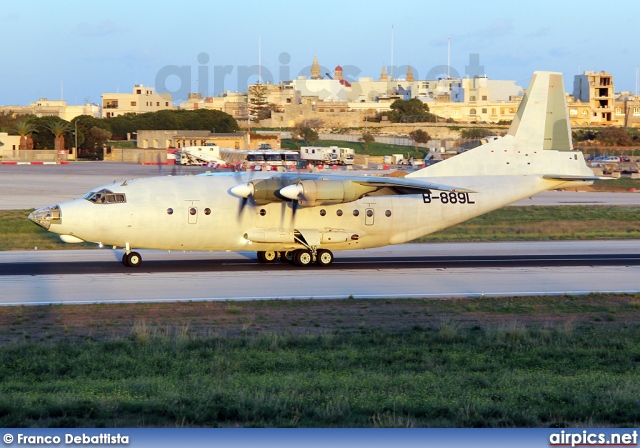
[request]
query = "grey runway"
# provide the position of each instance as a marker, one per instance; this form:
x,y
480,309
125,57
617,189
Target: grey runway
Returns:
x,y
413,270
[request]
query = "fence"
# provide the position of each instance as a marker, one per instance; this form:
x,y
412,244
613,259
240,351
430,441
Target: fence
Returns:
x,y
35,155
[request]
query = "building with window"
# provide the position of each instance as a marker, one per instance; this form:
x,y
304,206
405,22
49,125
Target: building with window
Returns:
x,y
232,103
142,99
53,108
596,89
627,110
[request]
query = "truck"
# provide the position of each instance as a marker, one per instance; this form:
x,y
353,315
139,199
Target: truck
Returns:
x,y
209,155
332,155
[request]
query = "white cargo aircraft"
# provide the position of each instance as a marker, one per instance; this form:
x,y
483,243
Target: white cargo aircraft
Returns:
x,y
303,218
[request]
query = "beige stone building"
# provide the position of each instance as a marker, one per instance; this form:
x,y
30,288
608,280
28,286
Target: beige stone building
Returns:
x,y
596,89
232,103
9,142
142,99
627,110
57,108
179,139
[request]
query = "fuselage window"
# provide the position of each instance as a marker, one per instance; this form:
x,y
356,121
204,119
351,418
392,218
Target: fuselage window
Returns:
x,y
263,212
356,213
192,211
207,211
323,212
169,211
339,212
387,213
369,213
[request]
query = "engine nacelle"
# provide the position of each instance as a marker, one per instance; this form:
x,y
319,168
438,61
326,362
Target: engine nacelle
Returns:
x,y
325,192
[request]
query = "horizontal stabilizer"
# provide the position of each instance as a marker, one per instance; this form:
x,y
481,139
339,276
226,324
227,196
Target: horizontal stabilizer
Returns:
x,y
574,178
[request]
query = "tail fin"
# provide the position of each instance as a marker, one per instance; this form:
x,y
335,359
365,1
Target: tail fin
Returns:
x,y
537,143
542,119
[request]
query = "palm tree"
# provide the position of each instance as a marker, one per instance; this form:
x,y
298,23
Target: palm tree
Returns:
x,y
25,129
58,129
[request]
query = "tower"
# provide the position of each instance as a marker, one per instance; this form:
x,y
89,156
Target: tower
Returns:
x,y
409,76
315,69
383,75
337,73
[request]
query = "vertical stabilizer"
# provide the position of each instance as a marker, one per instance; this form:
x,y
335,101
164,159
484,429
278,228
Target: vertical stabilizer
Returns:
x,y
542,120
538,141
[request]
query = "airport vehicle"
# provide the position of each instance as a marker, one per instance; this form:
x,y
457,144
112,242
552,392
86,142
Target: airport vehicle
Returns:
x,y
304,218
323,155
209,155
272,157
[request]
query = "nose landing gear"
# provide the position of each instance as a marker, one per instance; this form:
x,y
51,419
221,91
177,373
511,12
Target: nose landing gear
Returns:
x,y
131,259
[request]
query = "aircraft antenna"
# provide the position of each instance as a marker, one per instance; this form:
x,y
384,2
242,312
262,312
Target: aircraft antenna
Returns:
x,y
391,74
448,57
259,60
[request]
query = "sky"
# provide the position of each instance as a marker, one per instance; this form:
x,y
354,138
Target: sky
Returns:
x,y
78,50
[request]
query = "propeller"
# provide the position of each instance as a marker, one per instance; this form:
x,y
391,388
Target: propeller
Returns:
x,y
295,192
245,192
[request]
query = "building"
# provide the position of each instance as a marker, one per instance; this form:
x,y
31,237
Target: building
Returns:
x,y
9,142
56,108
142,99
154,139
232,103
627,110
597,90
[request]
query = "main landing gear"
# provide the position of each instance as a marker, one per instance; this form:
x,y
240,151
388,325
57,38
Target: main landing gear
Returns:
x,y
300,257
131,259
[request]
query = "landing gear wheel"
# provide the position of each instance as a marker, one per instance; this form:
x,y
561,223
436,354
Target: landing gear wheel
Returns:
x,y
324,258
287,256
269,256
302,258
132,259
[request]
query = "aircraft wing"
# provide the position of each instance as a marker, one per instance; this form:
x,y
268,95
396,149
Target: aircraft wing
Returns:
x,y
319,189
405,186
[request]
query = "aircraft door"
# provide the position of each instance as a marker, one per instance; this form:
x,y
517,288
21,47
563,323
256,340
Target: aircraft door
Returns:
x,y
193,214
368,217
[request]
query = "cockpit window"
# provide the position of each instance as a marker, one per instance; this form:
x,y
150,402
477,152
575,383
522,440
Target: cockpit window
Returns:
x,y
105,196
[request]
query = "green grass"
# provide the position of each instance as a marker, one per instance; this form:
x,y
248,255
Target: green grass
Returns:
x,y
18,233
546,223
448,375
375,149
620,184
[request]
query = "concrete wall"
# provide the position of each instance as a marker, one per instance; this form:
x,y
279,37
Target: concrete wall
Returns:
x,y
46,155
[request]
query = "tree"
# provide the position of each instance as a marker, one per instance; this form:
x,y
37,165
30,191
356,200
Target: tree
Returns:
x,y
476,133
409,111
367,138
611,136
419,136
25,129
309,135
58,129
258,100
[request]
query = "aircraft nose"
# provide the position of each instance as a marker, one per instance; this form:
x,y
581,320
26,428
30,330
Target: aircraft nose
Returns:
x,y
46,216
